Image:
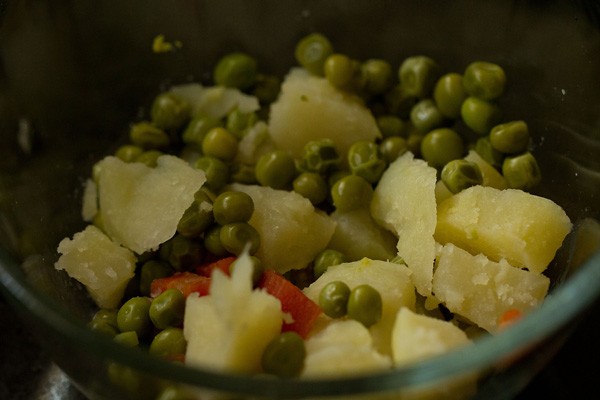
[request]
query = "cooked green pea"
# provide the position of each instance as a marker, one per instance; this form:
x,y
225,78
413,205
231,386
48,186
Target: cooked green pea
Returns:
x,y
365,305
441,146
108,316
390,125
220,143
377,75
243,173
151,270
128,339
168,343
392,147
197,129
510,137
339,70
312,186
128,153
484,148
449,95
418,75
460,174
133,316
182,253
233,206
236,70
399,102
150,157
319,156
480,115
333,299
257,268
148,136
217,172
521,171
266,88
351,192
365,160
276,169
413,142
284,355
239,122
198,216
212,241
169,111
484,80
312,51
336,176
235,237
167,309
326,259
102,326
425,116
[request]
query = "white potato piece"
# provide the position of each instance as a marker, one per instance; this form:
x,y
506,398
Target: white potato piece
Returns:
x,y
482,290
141,206
404,202
292,232
101,265
523,228
491,176
214,101
89,204
309,108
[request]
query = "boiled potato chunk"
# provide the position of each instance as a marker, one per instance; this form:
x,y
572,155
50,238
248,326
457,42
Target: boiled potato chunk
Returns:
x,y
100,264
141,206
416,337
291,231
391,280
404,202
309,108
491,176
89,206
523,228
215,101
342,348
482,290
229,329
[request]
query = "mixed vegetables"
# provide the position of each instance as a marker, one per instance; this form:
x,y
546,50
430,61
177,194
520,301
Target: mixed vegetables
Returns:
x,y
349,218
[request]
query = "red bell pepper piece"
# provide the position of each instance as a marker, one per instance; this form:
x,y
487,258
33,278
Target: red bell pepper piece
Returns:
x,y
186,282
223,264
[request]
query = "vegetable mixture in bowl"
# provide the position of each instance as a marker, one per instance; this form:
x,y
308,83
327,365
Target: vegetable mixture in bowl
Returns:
x,y
347,225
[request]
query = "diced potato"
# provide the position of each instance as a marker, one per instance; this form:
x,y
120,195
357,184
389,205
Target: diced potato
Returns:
x,y
97,262
523,228
417,337
229,329
482,290
357,235
309,108
343,348
404,202
441,192
291,231
89,206
254,144
391,280
491,176
215,101
141,206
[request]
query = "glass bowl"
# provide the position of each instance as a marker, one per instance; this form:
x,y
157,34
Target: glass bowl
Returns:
x,y
74,73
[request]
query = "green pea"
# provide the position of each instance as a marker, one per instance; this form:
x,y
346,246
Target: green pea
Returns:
x,y
399,102
333,299
275,169
510,137
441,146
182,253
197,129
365,305
236,70
390,125
243,173
169,111
521,171
235,237
103,327
167,309
133,316
365,160
484,148
319,156
168,343
233,206
425,116
149,158
266,88
239,122
257,268
392,147
216,171
148,136
284,355
339,70
480,115
336,176
326,259
107,316
418,75
312,51
151,270
460,174
351,192
484,80
220,143
128,153
198,216
128,339
212,241
449,95
413,142
378,76
312,186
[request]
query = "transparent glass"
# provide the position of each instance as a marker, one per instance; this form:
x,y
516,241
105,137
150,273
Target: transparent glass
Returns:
x,y
74,73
